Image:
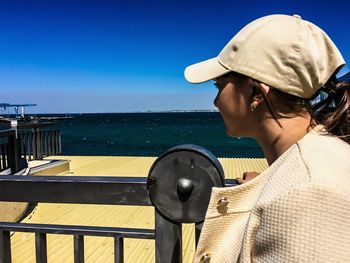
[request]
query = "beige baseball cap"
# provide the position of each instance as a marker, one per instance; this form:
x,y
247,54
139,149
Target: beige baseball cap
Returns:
x,y
282,51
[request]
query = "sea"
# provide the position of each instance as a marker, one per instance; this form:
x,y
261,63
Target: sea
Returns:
x,y
150,134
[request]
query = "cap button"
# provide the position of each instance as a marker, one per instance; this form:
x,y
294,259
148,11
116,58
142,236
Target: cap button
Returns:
x,y
297,16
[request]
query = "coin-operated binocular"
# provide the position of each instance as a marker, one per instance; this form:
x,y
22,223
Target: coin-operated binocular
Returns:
x,y
180,182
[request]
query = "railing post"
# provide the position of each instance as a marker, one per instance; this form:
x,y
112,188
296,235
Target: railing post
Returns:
x,y
54,142
41,248
198,230
3,157
52,147
13,153
5,247
39,145
30,146
118,250
168,240
78,249
45,153
22,142
34,145
59,142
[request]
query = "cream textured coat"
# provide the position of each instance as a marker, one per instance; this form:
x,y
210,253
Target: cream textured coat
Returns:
x,y
298,210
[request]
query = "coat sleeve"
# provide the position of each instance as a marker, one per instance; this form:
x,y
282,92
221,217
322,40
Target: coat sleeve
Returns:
x,y
310,223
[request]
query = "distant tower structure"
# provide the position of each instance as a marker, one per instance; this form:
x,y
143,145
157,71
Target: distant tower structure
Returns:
x,y
22,107
4,107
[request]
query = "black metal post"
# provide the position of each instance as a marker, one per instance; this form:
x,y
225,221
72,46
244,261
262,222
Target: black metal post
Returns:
x,y
55,142
168,240
51,143
198,230
44,143
34,145
118,250
13,153
78,249
5,247
39,145
22,142
41,248
30,146
59,143
3,157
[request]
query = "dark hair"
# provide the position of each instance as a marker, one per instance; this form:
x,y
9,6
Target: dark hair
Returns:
x,y
329,106
332,110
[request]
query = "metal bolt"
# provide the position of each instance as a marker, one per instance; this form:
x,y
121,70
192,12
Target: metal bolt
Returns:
x,y
184,188
192,164
151,182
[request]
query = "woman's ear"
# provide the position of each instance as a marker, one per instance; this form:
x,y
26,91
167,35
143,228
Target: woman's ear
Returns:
x,y
264,88
259,94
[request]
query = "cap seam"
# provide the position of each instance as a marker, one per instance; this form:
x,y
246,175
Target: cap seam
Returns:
x,y
293,59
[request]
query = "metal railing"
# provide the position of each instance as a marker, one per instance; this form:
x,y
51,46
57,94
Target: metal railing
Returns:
x,y
33,144
9,151
78,233
36,144
88,190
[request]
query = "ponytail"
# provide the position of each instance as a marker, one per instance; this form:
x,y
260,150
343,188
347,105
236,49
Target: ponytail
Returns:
x,y
332,109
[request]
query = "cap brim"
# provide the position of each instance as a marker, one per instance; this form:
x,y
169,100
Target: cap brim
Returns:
x,y
204,71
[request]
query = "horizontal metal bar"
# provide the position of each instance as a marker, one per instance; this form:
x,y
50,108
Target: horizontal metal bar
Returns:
x,y
75,189
79,230
230,182
7,132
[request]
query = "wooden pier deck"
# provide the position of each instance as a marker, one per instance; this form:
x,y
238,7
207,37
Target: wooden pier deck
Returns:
x,y
99,249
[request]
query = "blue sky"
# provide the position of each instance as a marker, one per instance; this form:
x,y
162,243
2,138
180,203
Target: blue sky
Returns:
x,y
122,56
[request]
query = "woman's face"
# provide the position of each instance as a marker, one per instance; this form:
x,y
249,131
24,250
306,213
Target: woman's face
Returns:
x,y
233,102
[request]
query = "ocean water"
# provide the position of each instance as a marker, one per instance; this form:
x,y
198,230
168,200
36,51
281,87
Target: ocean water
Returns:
x,y
150,134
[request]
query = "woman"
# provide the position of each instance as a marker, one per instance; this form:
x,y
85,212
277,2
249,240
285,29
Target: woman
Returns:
x,y
276,83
